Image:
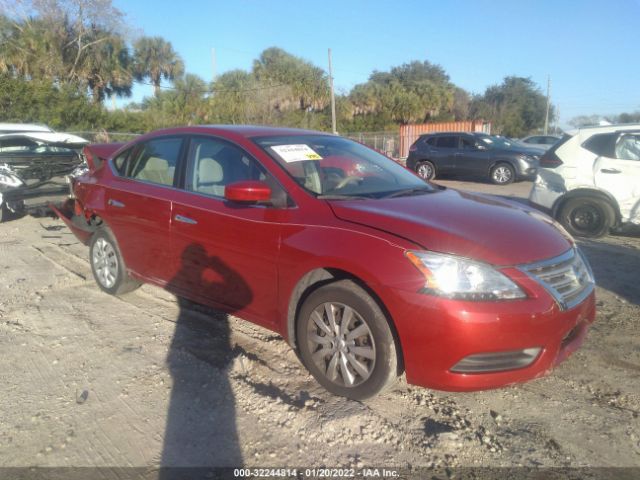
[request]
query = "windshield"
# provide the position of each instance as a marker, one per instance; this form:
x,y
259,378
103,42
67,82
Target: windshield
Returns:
x,y
496,142
334,167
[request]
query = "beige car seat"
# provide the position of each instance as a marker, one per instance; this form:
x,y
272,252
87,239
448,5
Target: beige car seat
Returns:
x,y
156,170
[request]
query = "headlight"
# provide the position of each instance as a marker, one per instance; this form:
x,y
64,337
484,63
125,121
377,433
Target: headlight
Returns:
x,y
528,159
462,279
8,178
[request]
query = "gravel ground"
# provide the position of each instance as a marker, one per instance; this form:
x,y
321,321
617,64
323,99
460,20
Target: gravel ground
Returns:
x,y
142,380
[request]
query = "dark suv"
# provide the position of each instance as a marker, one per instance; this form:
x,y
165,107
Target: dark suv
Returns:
x,y
472,154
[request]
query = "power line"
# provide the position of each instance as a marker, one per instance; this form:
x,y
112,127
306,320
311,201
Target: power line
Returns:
x,y
215,90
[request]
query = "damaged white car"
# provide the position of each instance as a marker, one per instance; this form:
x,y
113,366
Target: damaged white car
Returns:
x,y
590,180
34,166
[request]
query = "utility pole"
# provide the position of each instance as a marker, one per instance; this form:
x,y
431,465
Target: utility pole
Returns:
x,y
213,64
546,118
333,98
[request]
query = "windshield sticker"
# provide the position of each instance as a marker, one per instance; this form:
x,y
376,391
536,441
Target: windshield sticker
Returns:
x,y
296,153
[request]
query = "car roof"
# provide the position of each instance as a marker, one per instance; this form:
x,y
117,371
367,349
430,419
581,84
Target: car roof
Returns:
x,y
247,131
23,127
605,128
435,134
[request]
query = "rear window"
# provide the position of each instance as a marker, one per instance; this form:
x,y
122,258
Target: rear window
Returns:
x,y
602,144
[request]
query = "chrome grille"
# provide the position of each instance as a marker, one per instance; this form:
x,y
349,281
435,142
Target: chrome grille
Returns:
x,y
568,278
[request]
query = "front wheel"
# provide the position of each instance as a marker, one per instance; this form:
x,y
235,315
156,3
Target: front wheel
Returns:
x,y
426,170
345,341
587,217
107,264
502,174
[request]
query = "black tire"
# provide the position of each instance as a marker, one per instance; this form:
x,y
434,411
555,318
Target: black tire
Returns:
x,y
587,217
426,170
502,174
107,265
5,213
373,350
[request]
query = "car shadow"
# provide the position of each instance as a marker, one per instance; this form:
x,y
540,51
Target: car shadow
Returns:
x,y
615,268
200,430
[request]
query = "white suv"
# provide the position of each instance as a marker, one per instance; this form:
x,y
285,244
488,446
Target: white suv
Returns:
x,y
590,180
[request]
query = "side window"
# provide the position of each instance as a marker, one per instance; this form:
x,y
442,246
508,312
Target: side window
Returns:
x,y
628,147
447,142
601,144
156,160
431,141
468,143
213,164
120,162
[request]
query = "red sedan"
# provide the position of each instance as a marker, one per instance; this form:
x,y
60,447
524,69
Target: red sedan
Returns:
x,y
360,265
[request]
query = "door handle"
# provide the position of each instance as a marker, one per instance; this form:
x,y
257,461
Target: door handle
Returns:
x,y
610,170
115,203
183,219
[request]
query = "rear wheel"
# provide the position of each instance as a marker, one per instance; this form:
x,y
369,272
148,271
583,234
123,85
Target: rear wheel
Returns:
x,y
502,174
587,217
107,264
426,170
345,341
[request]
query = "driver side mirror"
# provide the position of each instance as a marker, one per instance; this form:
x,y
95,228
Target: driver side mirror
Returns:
x,y
250,191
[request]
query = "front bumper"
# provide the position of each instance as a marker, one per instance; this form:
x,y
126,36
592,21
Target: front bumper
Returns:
x,y
436,334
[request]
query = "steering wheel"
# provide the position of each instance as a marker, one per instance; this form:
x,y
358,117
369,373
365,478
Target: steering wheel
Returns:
x,y
346,180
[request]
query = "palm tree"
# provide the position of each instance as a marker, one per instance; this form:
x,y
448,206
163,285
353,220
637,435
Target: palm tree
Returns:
x,y
105,69
155,59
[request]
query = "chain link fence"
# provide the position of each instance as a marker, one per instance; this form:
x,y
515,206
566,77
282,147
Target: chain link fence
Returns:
x,y
385,142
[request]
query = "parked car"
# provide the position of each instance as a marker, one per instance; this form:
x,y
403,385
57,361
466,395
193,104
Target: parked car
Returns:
x,y
361,266
34,166
540,141
472,154
590,180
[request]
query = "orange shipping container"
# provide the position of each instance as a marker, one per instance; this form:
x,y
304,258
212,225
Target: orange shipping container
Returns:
x,y
410,133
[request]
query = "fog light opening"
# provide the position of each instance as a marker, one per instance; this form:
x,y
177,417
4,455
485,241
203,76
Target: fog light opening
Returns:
x,y
497,361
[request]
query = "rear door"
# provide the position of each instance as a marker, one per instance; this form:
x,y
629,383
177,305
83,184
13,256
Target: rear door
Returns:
x,y
619,174
227,252
138,206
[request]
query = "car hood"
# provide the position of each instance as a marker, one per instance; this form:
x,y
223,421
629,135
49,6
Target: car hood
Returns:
x,y
55,139
517,150
477,226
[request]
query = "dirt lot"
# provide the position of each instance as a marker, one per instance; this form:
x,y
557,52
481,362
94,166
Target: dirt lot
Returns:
x,y
93,380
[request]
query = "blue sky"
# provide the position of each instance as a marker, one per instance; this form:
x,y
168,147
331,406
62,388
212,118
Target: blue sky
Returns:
x,y
589,48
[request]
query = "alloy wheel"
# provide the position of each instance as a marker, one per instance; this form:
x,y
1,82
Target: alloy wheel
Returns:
x,y
502,174
425,171
341,344
105,263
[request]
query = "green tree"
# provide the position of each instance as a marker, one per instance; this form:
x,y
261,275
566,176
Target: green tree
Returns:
x,y
515,108
107,70
309,84
155,59
413,92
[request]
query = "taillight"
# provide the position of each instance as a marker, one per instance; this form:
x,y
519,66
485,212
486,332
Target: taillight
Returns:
x,y
88,156
550,160
413,148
